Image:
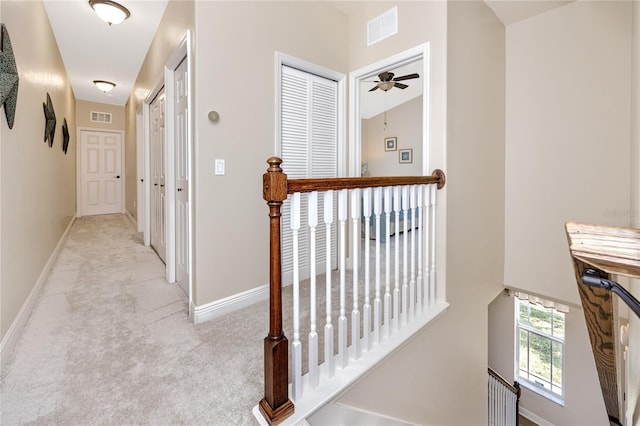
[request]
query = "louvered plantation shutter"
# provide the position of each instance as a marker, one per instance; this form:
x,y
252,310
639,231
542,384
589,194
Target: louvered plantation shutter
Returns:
x,y
309,130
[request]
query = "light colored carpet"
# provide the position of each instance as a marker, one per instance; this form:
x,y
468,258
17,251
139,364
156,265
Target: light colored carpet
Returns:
x,y
110,342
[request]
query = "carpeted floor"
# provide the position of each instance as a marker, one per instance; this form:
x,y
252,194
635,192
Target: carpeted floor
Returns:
x,y
109,342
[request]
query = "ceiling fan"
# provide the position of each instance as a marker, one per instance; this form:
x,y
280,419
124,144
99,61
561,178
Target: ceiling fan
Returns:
x,y
387,81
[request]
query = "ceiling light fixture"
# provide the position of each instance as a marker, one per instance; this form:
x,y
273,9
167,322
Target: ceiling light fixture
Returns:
x,y
105,86
110,11
386,85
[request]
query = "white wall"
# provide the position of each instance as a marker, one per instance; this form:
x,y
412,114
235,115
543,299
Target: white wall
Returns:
x,y
38,183
584,405
440,377
634,322
235,75
567,137
177,19
403,122
83,115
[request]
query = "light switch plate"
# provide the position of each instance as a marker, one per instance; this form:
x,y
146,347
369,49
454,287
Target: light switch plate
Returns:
x,y
219,171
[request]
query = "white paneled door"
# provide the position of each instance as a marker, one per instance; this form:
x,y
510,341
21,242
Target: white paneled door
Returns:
x,y
181,111
101,172
157,170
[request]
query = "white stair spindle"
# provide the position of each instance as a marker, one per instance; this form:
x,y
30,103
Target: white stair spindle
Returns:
x,y
432,278
387,267
312,203
420,234
355,256
412,277
343,360
396,288
366,309
427,246
296,345
377,303
328,327
405,253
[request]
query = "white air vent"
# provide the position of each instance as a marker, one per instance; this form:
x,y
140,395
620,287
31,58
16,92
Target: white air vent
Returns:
x,y
100,117
383,26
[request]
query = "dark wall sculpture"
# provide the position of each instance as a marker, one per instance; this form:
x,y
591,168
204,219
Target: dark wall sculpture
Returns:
x,y
50,121
8,77
65,136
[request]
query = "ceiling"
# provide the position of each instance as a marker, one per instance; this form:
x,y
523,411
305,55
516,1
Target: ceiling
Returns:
x,y
510,11
93,50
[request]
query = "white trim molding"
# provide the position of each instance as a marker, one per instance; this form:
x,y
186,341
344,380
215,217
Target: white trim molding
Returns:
x,y
10,339
220,307
534,418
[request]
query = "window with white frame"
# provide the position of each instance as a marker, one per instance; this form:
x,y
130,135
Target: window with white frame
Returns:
x,y
540,333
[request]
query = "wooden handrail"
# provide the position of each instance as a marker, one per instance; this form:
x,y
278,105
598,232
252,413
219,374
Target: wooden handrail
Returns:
x,y
326,184
515,387
608,250
276,405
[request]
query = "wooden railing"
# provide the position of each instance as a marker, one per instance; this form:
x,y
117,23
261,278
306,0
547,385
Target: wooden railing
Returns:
x,y
504,401
597,252
415,199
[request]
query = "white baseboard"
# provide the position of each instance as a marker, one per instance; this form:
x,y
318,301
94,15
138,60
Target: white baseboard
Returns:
x,y
534,418
217,308
14,332
133,220
340,414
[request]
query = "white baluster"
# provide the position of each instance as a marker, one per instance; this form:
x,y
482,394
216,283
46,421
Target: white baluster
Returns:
x,y
296,345
427,246
343,360
355,313
387,276
328,327
312,203
366,309
377,303
490,401
432,278
412,277
396,288
405,253
420,234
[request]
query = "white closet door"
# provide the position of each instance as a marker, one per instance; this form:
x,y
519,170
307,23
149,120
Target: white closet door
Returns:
x,y
309,137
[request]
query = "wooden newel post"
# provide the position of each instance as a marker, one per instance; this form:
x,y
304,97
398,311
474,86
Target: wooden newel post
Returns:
x,y
276,405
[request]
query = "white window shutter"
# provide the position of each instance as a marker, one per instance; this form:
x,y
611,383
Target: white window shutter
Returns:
x,y
308,149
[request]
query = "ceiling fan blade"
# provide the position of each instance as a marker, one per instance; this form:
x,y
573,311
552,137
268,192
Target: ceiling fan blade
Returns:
x,y
407,77
400,86
374,88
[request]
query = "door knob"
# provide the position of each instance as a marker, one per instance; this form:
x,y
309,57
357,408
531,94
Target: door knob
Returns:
x,y
155,184
118,177
179,189
161,186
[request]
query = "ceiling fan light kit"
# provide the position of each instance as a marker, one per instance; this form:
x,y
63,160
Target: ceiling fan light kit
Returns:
x,y
110,11
388,82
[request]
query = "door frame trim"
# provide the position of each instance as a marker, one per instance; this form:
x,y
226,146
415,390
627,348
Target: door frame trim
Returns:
x,y
184,52
184,49
422,51
123,186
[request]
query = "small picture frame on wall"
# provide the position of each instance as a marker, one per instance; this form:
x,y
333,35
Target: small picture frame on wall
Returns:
x,y
406,156
391,144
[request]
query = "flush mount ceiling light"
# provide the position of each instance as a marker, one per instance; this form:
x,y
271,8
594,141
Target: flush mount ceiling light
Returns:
x,y
110,11
105,86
